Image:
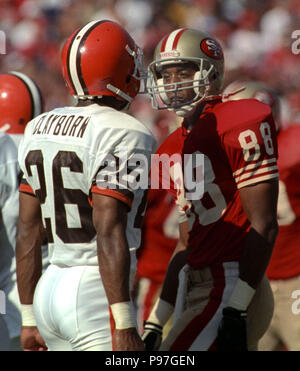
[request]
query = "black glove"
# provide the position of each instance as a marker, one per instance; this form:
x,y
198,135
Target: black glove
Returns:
x,y
152,336
232,333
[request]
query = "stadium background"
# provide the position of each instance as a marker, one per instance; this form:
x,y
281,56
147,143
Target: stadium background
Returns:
x,y
256,36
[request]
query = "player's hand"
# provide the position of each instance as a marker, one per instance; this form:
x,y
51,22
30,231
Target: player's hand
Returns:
x,y
127,340
31,339
152,336
232,333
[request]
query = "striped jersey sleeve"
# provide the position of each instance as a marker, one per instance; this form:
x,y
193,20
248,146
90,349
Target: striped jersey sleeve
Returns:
x,y
252,153
122,162
25,186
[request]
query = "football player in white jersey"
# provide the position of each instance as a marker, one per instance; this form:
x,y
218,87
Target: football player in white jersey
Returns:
x,y
77,164
8,190
20,101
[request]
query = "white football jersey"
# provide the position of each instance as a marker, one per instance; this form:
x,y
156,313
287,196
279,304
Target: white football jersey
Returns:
x,y
70,152
9,170
9,211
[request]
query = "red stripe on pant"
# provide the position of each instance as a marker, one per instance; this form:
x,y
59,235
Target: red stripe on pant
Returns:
x,y
194,328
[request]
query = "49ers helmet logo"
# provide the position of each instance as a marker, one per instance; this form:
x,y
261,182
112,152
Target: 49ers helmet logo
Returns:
x,y
211,48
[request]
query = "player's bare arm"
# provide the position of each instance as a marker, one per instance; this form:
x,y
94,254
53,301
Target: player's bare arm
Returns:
x,y
29,239
29,266
178,260
260,205
110,219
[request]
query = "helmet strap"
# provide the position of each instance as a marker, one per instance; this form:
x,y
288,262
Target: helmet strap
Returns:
x,y
119,92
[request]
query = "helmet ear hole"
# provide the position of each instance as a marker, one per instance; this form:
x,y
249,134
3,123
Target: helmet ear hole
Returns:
x,y
215,76
128,78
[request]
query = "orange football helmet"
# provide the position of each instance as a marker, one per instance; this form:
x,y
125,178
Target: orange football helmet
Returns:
x,y
20,101
101,59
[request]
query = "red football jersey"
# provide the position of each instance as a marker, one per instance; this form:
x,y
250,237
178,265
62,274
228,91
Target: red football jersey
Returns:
x,y
166,166
160,227
159,235
238,142
161,213
285,260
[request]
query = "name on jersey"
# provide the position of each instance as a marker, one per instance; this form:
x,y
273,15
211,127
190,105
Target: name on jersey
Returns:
x,y
65,125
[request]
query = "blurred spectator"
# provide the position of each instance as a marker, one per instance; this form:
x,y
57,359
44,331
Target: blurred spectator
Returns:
x,y
256,37
202,15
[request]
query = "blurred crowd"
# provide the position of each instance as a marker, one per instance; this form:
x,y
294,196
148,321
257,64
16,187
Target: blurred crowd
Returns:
x,y
256,36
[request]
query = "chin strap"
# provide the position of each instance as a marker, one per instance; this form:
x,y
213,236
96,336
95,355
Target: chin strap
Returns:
x,y
87,97
92,98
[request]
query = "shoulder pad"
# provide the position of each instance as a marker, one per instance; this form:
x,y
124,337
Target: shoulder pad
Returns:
x,y
240,112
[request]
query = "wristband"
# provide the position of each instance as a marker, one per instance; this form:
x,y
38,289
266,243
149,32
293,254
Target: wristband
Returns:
x,y
27,315
241,296
161,312
122,315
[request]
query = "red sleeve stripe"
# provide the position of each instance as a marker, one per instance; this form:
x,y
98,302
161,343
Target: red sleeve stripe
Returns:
x,y
257,179
26,189
112,193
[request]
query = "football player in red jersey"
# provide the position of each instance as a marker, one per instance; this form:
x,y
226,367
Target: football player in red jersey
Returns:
x,y
284,268
224,297
76,186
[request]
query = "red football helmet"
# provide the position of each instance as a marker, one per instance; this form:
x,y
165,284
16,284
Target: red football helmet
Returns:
x,y
101,59
20,101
